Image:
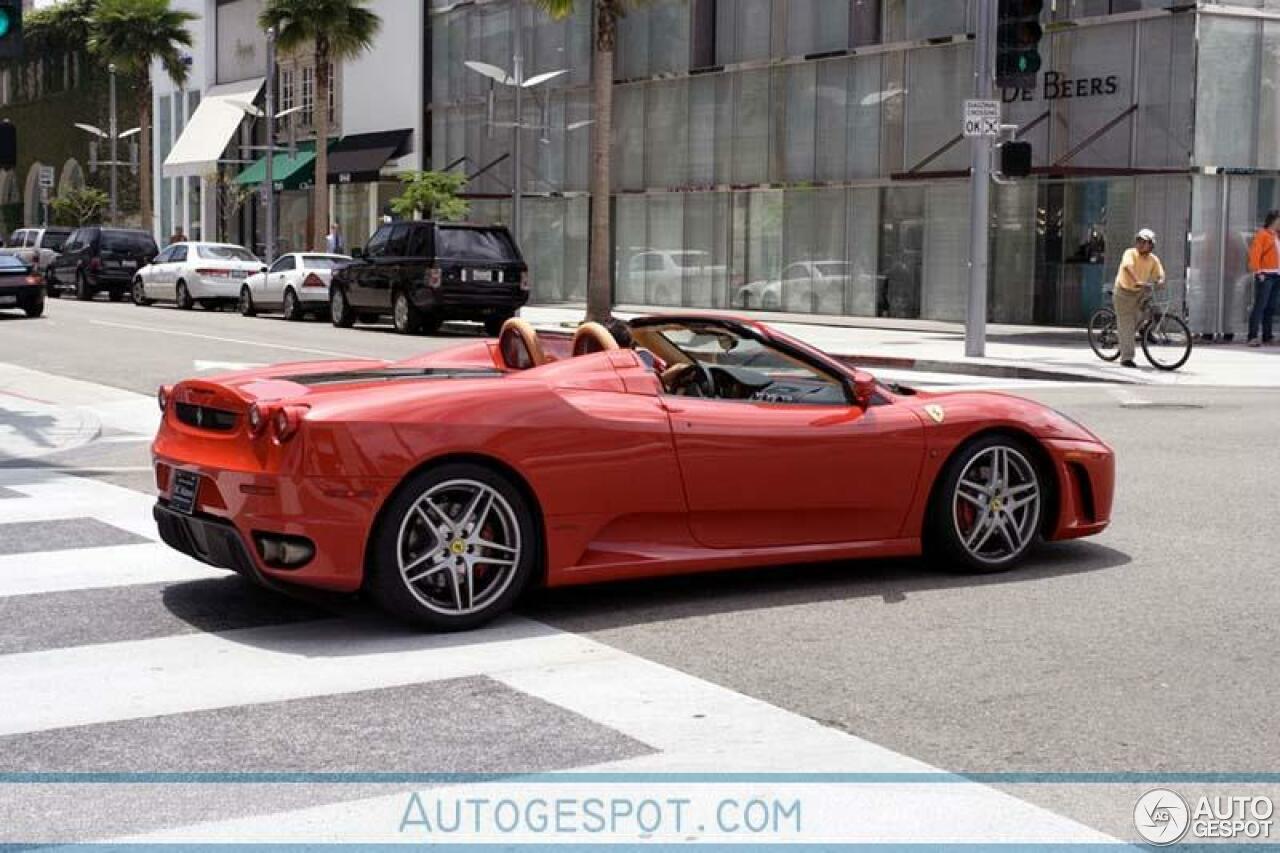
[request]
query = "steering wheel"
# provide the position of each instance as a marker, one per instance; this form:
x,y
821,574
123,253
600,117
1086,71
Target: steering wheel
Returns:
x,y
689,379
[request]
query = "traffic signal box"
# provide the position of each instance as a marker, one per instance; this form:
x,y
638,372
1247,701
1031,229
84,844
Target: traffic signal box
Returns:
x,y
1018,35
10,29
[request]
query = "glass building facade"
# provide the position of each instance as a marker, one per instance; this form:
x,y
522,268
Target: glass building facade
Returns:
x,y
805,155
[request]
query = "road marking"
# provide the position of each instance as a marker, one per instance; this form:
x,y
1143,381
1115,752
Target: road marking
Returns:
x,y
98,568
239,341
202,366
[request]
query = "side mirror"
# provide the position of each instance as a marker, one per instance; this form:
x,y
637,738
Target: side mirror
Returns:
x,y
864,388
262,269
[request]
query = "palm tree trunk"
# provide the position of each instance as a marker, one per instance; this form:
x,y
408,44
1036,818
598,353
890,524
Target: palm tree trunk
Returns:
x,y
321,107
599,268
144,154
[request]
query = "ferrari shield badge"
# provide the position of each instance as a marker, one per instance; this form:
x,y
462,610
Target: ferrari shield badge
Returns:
x,y
936,412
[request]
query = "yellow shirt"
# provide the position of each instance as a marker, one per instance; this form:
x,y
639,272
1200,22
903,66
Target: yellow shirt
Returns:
x,y
1135,270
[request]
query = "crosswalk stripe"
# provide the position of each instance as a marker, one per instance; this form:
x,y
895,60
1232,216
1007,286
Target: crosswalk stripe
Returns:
x,y
96,568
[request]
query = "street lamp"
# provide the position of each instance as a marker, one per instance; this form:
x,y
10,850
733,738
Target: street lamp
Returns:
x,y
112,136
517,82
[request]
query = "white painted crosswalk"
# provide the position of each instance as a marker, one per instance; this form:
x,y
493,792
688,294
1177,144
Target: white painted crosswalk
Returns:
x,y
131,668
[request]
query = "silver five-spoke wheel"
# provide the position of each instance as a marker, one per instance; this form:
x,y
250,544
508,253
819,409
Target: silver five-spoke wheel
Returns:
x,y
459,547
996,505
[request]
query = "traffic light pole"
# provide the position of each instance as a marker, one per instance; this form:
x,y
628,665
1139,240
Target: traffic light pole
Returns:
x,y
113,132
975,325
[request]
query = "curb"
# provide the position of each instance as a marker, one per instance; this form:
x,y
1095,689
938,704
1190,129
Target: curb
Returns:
x,y
994,371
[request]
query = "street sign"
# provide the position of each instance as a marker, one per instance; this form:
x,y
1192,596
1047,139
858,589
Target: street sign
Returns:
x,y
981,118
46,177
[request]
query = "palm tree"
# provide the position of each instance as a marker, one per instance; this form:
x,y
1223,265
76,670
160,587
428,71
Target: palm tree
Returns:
x,y
335,30
599,274
131,34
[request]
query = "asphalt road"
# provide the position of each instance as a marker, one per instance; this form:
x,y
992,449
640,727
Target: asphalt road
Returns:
x,y
1153,647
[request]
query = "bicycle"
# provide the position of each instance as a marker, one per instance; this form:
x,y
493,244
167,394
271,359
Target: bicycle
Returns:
x,y
1165,336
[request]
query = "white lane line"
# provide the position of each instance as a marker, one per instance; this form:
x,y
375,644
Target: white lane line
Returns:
x,y
49,495
98,568
239,341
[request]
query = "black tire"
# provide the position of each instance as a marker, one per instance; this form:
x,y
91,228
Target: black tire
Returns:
x,y
33,305
1167,342
246,306
384,580
292,307
946,527
493,325
183,297
84,292
51,286
140,294
405,315
1104,334
340,311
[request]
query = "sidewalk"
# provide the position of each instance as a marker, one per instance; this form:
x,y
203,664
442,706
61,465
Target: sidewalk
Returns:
x,y
1013,352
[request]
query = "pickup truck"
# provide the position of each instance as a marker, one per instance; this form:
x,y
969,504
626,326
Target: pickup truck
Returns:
x,y
36,247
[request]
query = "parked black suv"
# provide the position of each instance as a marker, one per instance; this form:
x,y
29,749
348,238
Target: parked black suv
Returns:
x,y
95,258
423,273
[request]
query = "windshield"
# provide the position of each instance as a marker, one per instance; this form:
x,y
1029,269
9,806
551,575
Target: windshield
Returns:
x,y
475,244
225,253
55,240
324,262
128,241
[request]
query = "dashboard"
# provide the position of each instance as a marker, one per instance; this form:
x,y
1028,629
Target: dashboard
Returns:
x,y
743,383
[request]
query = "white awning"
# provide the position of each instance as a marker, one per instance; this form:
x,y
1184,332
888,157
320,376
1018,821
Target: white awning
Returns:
x,y
210,129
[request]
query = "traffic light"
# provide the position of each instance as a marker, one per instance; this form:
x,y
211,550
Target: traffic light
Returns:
x,y
1015,159
1018,36
10,29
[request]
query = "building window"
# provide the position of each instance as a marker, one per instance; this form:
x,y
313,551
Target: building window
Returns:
x,y
308,94
288,91
333,93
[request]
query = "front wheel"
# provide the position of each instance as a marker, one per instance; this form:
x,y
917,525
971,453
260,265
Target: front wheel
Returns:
x,y
1104,334
245,304
140,294
340,311
454,549
1167,342
986,513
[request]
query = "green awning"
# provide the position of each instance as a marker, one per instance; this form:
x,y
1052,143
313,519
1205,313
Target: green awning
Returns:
x,y
289,173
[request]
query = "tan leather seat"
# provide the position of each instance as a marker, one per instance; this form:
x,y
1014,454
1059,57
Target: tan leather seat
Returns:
x,y
519,346
592,337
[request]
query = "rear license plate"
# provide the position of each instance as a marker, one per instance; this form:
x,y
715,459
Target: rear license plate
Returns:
x,y
480,275
186,487
129,265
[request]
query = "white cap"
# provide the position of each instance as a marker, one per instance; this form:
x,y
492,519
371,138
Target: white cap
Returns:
x,y
1147,234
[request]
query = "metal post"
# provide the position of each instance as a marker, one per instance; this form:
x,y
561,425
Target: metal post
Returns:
x,y
270,250
113,131
516,148
975,326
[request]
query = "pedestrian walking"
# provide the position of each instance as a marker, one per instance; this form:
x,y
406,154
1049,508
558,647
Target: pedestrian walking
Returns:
x,y
333,240
1140,268
1264,263
177,236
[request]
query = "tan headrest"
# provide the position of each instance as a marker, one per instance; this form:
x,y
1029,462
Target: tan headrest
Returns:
x,y
519,345
592,337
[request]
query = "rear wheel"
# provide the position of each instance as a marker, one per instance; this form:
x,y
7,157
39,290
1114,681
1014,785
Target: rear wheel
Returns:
x,y
246,306
1167,342
454,549
33,304
986,512
1104,334
340,312
140,293
184,300
83,291
292,307
406,316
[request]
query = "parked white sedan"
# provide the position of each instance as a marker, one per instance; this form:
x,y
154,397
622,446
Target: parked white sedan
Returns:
x,y
297,284
187,273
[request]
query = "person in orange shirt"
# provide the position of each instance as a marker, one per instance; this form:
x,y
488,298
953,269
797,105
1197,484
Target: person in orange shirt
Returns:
x,y
1264,263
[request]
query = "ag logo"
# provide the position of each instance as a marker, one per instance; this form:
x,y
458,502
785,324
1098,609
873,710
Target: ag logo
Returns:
x,y
1161,816
936,412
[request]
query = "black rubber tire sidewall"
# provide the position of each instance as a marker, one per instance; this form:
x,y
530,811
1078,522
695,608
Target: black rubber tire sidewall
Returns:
x,y
344,318
84,293
246,303
942,542
1185,356
413,321
382,575
183,297
34,306
291,307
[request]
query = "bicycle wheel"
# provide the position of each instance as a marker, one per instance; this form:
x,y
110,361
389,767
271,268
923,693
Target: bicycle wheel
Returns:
x,y
1104,336
1167,342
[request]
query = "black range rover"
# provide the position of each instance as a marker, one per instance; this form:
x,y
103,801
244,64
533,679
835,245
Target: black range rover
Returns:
x,y
423,273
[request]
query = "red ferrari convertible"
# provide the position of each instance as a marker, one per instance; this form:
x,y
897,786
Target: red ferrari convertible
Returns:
x,y
444,485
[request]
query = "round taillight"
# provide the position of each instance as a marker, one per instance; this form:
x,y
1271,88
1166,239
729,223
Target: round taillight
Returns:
x,y
256,419
162,397
284,423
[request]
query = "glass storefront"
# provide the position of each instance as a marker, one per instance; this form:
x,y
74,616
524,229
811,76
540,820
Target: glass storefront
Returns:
x,y
802,155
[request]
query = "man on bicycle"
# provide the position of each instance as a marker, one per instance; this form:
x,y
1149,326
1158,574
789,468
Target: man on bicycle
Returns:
x,y
1139,269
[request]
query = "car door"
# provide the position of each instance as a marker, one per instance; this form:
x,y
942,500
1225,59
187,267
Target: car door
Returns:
x,y
777,473
152,275
364,273
172,270
276,279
